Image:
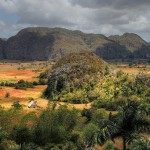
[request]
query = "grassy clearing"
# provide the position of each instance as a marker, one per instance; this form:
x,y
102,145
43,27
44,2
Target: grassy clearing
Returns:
x,y
12,72
134,70
15,71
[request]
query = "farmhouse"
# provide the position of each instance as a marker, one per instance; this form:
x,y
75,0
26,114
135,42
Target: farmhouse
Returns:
x,y
32,104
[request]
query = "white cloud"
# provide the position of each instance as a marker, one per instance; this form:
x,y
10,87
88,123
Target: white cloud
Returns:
x,y
98,16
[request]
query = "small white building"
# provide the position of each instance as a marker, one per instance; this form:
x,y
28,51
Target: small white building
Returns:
x,y
32,104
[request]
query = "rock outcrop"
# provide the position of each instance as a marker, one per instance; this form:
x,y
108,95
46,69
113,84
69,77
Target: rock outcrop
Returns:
x,y
75,71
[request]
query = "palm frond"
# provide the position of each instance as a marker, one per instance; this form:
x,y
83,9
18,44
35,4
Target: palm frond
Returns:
x,y
142,143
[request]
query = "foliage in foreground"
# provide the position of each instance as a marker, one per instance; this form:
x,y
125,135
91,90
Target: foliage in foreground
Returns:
x,y
61,128
141,143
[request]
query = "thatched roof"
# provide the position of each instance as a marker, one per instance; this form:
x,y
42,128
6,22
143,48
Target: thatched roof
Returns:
x,y
32,104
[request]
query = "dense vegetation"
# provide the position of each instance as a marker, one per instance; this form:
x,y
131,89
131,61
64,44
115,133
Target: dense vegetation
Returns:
x,y
22,84
72,81
119,110
73,73
61,128
115,91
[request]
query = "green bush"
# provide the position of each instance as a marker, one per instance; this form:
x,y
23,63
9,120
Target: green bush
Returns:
x,y
16,105
21,135
109,146
21,84
7,95
55,126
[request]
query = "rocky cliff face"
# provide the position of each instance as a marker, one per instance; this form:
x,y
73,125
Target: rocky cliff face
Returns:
x,y
75,72
2,48
42,43
113,51
29,45
136,46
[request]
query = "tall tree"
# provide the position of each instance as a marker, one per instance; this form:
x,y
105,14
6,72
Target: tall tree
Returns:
x,y
131,120
142,143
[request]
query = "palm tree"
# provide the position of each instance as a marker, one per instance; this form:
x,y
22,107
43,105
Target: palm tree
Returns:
x,y
142,143
131,120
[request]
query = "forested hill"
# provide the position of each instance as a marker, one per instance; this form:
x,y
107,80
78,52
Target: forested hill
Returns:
x,y
42,43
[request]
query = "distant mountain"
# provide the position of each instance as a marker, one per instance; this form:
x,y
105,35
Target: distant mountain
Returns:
x,y
131,41
134,43
2,48
41,43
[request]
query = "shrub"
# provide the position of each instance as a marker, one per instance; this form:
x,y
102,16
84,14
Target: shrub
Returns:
x,y
87,113
21,84
7,95
42,82
98,115
9,145
55,126
17,105
21,135
109,146
143,79
43,75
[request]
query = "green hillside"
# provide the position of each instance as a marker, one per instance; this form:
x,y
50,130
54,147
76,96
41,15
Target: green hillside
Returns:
x,y
42,43
131,41
74,76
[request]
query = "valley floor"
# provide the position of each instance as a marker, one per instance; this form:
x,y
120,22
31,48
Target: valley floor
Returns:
x,y
13,71
29,71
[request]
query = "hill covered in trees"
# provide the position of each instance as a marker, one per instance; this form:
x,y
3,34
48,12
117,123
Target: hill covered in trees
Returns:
x,y
74,76
41,43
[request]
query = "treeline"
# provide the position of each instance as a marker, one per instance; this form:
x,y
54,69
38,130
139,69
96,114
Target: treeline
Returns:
x,y
22,84
63,128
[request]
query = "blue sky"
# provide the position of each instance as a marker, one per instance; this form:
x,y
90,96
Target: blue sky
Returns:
x,y
7,17
91,16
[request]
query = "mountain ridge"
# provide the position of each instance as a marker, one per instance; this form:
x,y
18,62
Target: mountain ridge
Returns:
x,y
43,43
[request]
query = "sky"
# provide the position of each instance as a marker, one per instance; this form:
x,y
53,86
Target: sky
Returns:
x,y
108,17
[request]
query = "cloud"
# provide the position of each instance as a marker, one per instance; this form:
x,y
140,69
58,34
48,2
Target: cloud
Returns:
x,y
118,15
117,4
98,16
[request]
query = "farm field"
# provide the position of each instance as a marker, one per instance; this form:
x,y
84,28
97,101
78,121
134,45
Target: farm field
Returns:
x,y
12,72
134,70
28,71
15,71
